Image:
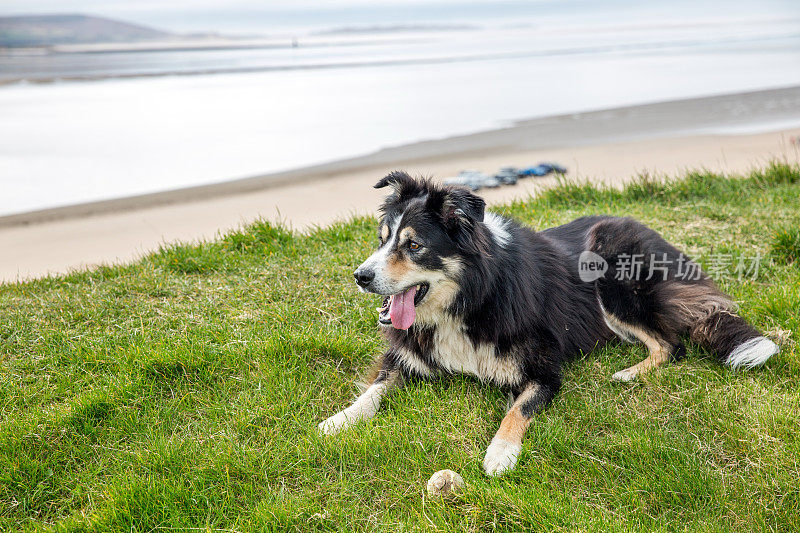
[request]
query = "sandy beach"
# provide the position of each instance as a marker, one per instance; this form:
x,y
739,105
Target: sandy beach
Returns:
x,y
609,146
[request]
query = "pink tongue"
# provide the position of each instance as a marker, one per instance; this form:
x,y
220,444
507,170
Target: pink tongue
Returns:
x,y
401,310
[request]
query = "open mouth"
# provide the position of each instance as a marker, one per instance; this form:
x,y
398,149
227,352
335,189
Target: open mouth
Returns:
x,y
398,310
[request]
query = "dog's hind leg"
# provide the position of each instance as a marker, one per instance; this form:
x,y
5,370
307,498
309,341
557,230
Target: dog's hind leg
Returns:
x,y
503,451
367,404
661,351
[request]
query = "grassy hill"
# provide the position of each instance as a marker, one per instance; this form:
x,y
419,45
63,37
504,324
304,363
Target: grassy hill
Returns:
x,y
48,30
184,391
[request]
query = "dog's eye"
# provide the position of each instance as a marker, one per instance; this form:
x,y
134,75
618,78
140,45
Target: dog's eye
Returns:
x,y
413,245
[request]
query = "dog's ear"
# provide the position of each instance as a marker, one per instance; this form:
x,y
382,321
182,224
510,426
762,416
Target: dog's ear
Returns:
x,y
459,206
456,206
460,212
404,185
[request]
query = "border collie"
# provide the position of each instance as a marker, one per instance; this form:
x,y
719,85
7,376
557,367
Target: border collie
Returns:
x,y
473,292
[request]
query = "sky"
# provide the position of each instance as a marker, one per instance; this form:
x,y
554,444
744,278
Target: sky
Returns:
x,y
253,15
209,15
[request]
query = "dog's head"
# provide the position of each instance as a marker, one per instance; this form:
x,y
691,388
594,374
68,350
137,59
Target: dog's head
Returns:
x,y
425,234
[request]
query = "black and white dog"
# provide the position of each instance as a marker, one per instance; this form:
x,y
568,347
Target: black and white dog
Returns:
x,y
473,292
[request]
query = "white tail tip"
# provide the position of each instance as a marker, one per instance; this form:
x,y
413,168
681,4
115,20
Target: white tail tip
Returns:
x,y
752,353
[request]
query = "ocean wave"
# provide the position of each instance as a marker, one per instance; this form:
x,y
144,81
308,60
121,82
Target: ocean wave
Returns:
x,y
431,60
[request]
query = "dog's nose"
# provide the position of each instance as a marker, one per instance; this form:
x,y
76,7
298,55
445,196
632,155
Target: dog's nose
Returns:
x,y
364,277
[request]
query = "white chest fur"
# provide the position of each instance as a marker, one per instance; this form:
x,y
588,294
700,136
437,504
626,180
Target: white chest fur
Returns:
x,y
454,352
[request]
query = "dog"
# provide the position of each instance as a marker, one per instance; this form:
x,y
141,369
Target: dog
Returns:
x,y
469,291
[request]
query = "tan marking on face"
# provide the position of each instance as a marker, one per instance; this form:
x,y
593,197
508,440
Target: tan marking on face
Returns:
x,y
407,234
514,424
398,267
441,293
385,232
402,271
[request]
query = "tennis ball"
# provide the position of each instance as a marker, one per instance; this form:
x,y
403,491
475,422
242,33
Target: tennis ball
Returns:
x,y
444,482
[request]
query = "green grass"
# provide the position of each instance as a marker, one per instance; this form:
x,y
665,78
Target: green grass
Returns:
x,y
786,246
184,391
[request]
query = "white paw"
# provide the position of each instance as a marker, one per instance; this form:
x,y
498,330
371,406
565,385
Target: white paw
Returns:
x,y
335,424
501,456
624,375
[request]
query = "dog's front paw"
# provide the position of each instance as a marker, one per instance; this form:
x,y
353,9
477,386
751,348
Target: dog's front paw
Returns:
x,y
335,424
501,456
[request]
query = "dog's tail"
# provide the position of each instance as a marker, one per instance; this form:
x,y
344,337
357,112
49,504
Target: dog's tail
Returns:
x,y
735,342
711,320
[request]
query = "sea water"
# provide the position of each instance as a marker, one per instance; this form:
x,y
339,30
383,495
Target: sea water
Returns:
x,y
78,127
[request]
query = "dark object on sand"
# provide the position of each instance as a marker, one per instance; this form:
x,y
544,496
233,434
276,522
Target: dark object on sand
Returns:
x,y
507,175
473,180
542,169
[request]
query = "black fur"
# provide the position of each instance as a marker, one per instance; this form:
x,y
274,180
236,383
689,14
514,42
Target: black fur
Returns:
x,y
519,292
523,298
654,300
